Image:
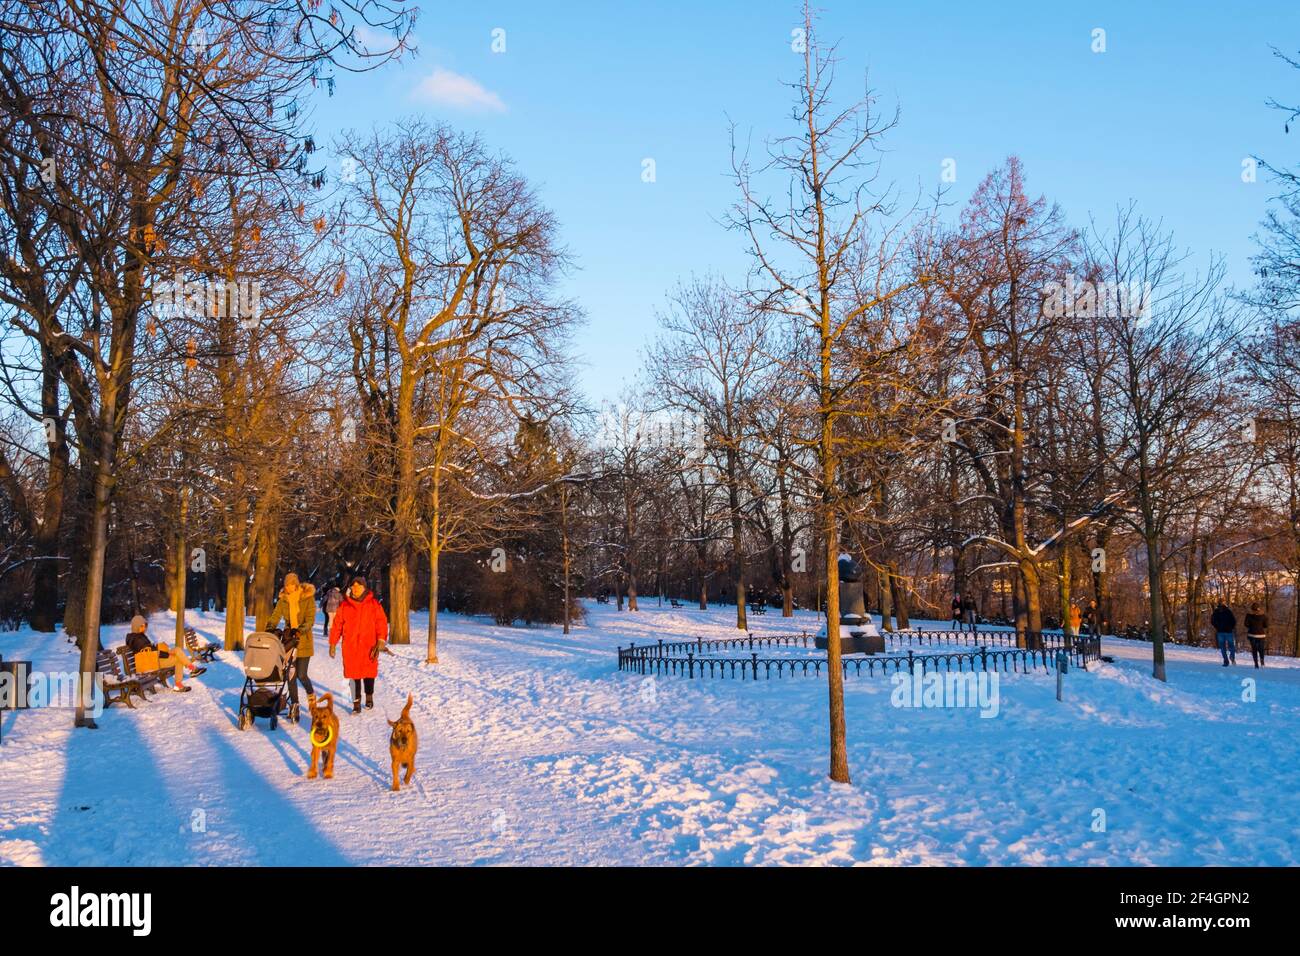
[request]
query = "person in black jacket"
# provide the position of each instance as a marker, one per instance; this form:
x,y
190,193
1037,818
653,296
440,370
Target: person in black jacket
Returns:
x,y
1257,634
956,612
1224,623
138,640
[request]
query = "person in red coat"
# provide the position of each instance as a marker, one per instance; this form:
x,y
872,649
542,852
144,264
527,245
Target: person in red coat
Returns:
x,y
362,626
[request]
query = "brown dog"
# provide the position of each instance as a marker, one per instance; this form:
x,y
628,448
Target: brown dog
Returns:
x,y
324,736
403,744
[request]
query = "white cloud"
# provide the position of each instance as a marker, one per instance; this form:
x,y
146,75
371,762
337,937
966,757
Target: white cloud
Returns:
x,y
379,41
444,87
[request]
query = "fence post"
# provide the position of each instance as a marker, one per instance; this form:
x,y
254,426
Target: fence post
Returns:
x,y
620,657
984,658
690,663
755,658
909,660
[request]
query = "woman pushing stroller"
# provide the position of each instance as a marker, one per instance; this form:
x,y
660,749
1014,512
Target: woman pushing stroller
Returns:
x,y
297,608
362,627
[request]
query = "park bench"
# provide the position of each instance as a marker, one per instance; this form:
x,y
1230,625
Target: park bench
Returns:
x,y
677,603
148,680
20,671
203,651
758,607
118,688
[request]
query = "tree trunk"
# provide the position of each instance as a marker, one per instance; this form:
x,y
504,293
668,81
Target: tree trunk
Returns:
x,y
1066,627
1295,616
236,584
898,591
839,769
74,610
45,580
1157,608
886,600
399,597
1033,607
737,554
179,577
564,546
132,577
264,568
98,549
431,650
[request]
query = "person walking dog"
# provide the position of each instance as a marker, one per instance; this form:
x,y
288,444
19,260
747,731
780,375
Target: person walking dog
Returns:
x,y
362,627
297,608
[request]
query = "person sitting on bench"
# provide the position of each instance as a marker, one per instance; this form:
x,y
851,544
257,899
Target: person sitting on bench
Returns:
x,y
138,641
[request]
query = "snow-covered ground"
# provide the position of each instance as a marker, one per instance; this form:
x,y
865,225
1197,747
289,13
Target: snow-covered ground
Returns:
x,y
534,748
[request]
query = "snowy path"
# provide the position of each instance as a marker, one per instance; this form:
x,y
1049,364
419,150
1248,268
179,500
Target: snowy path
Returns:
x,y
535,749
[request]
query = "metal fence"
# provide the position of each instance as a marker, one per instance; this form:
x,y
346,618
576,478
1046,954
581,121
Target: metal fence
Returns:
x,y
694,658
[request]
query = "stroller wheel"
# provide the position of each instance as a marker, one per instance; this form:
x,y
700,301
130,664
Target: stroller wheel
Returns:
x,y
275,721
243,719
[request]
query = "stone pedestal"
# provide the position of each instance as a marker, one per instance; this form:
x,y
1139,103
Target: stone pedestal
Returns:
x,y
857,634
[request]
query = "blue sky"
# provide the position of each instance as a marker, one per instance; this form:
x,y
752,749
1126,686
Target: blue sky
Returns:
x,y
585,91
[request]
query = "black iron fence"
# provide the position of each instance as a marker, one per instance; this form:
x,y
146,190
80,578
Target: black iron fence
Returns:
x,y
694,658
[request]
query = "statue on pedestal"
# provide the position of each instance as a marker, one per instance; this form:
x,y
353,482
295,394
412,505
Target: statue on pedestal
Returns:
x,y
857,633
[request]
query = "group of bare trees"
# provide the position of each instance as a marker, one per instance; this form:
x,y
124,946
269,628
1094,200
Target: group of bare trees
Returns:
x,y
230,352
214,365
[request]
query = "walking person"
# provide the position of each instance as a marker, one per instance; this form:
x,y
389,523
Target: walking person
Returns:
x,y
1257,634
1093,617
1076,620
968,611
362,627
956,612
297,608
1224,623
333,598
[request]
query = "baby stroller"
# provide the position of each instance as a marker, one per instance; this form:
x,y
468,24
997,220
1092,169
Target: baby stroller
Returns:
x,y
268,668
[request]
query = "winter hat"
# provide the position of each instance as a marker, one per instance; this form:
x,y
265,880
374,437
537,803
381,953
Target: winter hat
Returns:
x,y
138,623
290,581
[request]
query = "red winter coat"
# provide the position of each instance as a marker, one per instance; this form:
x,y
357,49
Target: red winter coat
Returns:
x,y
361,625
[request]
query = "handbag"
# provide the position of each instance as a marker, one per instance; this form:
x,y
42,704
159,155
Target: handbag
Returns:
x,y
146,661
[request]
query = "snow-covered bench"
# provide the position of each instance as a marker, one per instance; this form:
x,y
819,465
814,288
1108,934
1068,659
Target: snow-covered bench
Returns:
x,y
204,651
